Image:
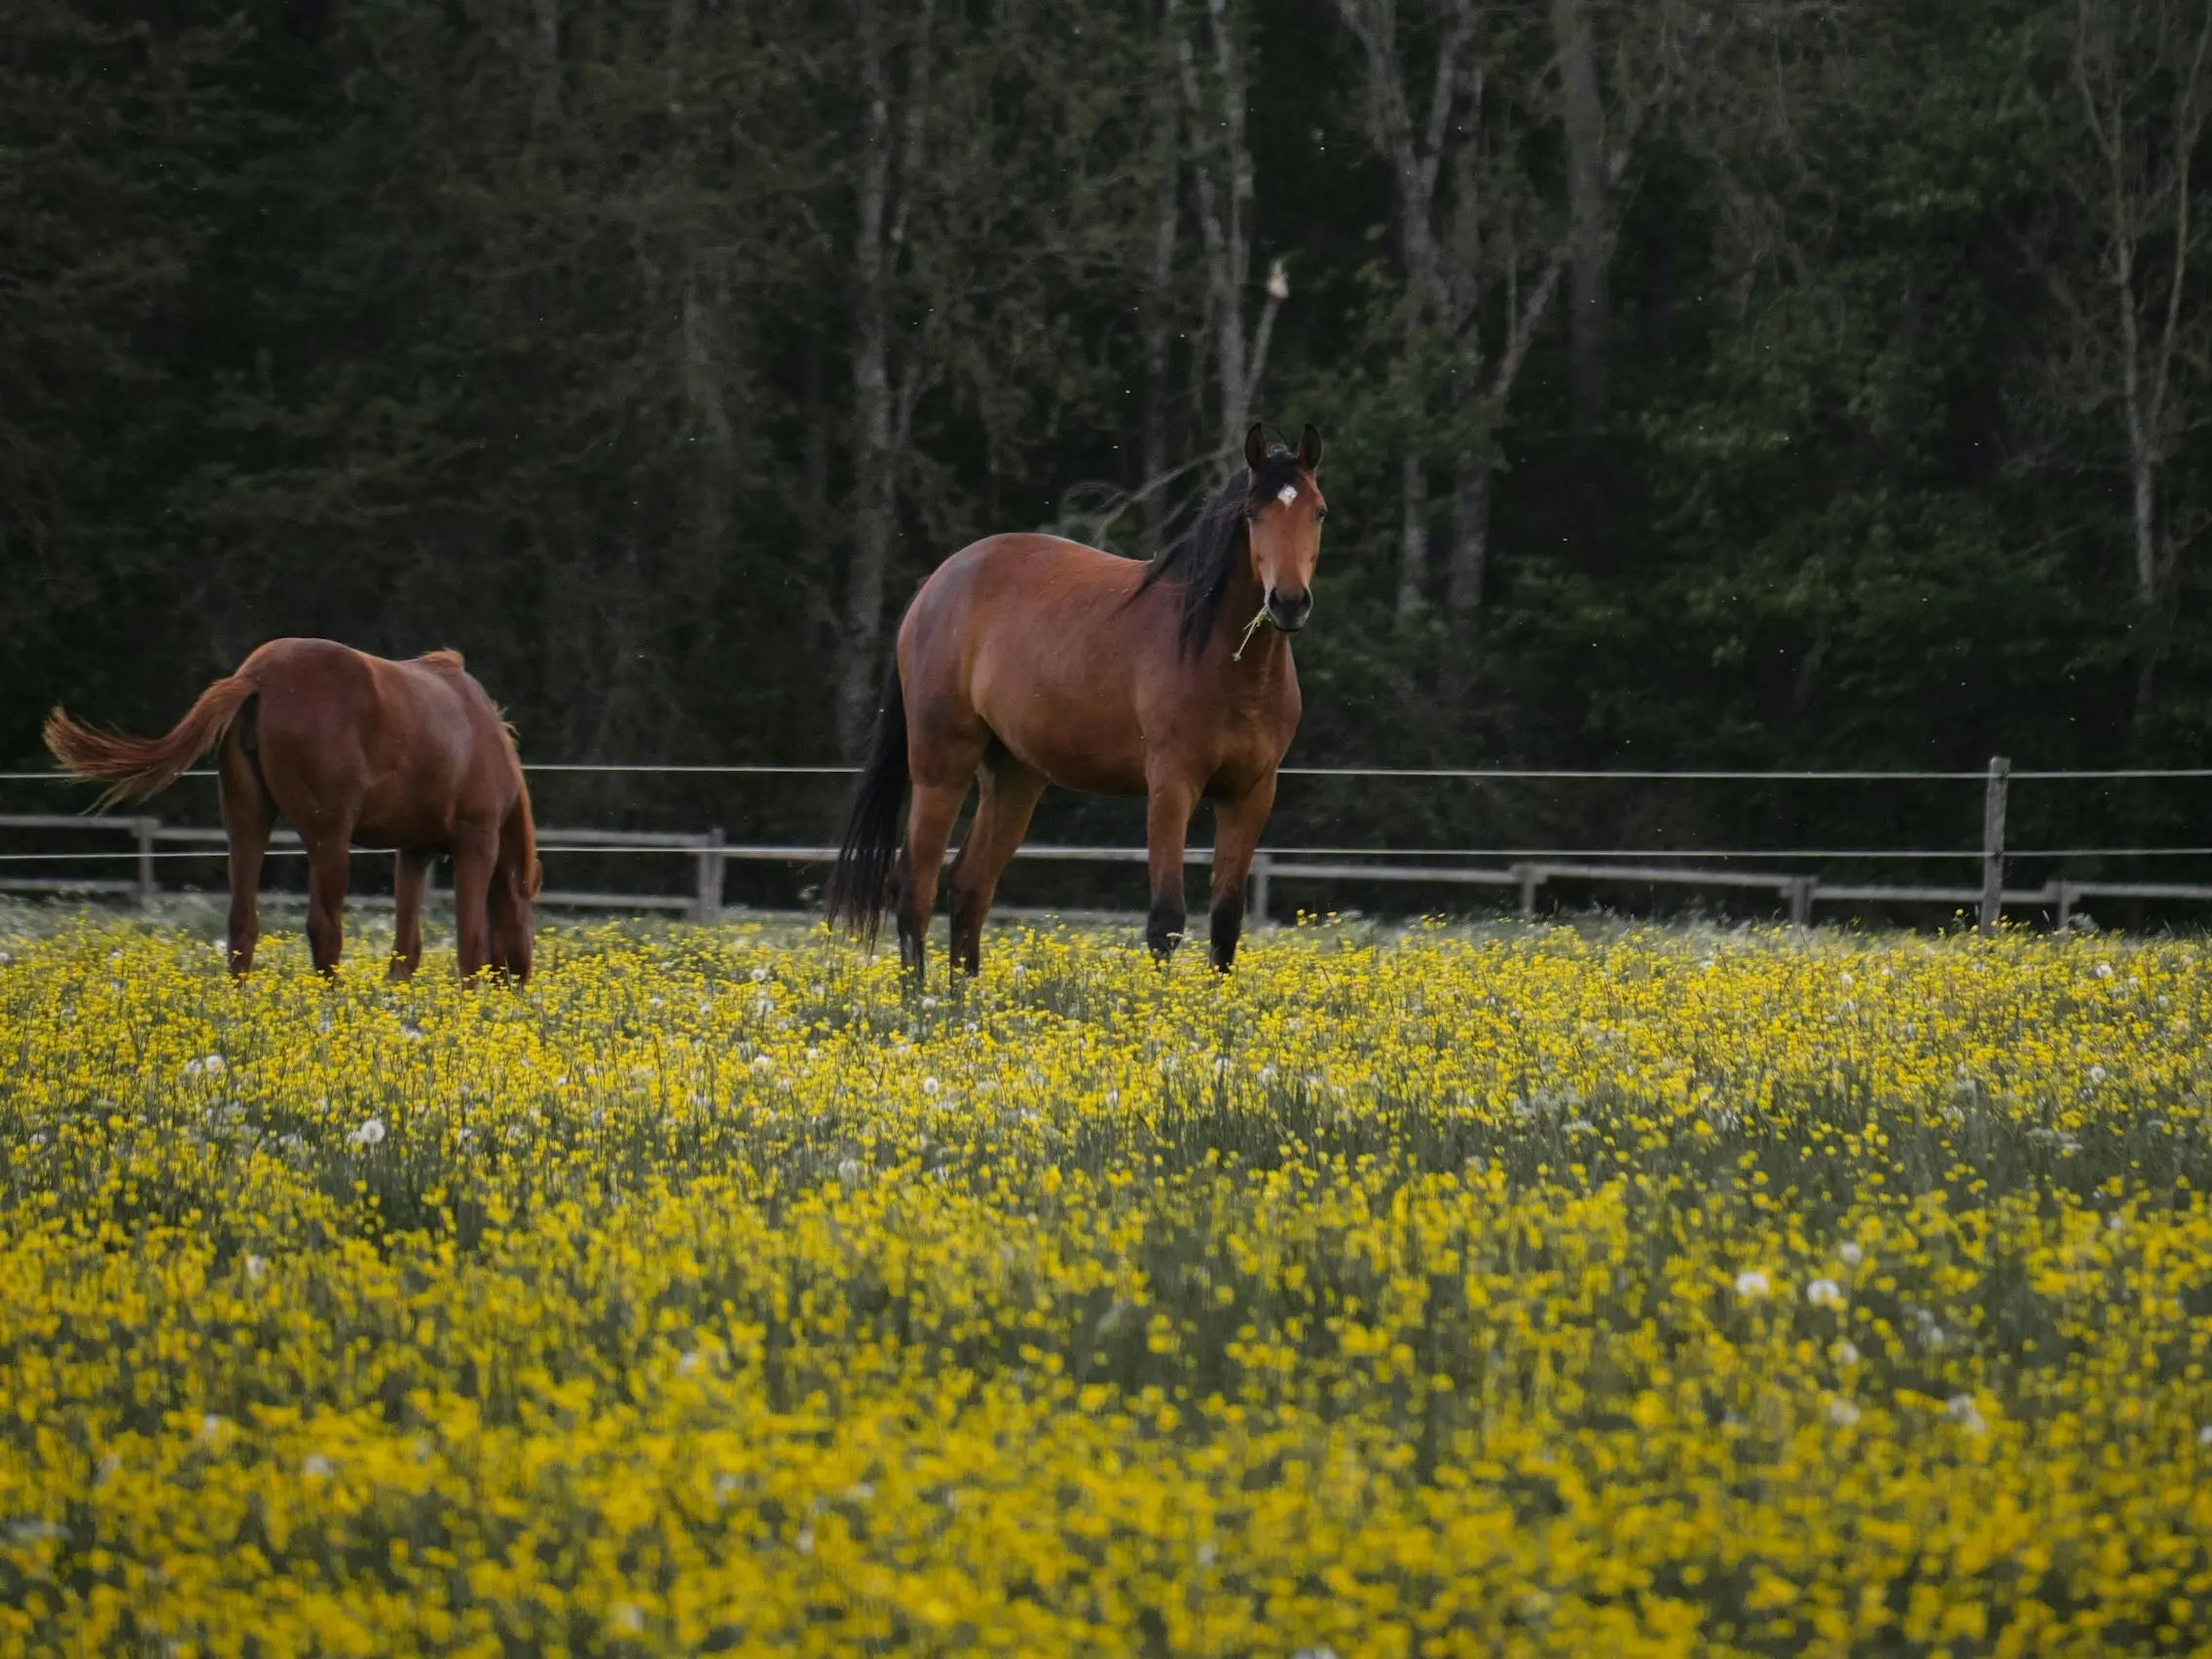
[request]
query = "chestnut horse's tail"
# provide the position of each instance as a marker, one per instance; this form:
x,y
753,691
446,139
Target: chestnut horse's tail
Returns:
x,y
858,886
134,767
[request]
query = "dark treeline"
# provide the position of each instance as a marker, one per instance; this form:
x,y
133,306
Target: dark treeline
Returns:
x,y
1767,384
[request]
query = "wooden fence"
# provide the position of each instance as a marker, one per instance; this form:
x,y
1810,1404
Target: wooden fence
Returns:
x,y
1526,873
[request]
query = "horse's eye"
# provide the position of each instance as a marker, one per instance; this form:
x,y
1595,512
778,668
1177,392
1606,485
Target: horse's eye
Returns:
x,y
1320,515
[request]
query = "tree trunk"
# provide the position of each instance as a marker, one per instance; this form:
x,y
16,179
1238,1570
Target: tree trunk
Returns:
x,y
2158,638
1470,545
1240,359
1160,296
1589,312
545,107
1413,539
714,442
2142,459
1236,376
813,404
875,483
2125,60
2144,424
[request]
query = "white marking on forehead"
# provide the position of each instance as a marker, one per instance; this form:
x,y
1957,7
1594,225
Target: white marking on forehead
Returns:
x,y
1287,493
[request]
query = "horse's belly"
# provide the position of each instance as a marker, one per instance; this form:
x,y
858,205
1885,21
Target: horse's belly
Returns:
x,y
417,805
1077,737
1091,773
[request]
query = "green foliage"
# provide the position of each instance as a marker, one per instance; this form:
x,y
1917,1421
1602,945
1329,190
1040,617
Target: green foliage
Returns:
x,y
528,329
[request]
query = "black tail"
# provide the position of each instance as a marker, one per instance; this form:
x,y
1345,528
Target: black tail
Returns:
x,y
860,883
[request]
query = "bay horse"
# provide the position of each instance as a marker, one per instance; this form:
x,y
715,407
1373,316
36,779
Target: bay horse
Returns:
x,y
349,747
1025,660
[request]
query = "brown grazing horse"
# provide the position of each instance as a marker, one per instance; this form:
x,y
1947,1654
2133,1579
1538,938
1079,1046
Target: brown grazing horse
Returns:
x,y
350,747
1031,660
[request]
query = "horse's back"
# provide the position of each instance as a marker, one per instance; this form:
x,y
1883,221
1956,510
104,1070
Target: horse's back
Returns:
x,y
410,745
1021,572
361,698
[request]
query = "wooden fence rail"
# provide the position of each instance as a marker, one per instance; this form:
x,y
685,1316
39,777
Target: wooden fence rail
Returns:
x,y
710,856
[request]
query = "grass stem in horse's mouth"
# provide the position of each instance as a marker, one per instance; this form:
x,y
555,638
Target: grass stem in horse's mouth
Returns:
x,y
1250,628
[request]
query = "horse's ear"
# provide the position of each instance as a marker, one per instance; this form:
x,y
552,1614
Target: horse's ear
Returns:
x,y
1256,447
1310,449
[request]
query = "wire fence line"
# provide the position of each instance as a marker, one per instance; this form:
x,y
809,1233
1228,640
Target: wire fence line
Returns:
x,y
1724,854
1471,774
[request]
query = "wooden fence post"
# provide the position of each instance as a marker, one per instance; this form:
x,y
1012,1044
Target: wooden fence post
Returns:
x,y
710,867
1527,874
1801,899
145,829
1262,864
1993,842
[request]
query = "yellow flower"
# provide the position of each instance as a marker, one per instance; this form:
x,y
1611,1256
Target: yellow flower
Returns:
x,y
1459,1291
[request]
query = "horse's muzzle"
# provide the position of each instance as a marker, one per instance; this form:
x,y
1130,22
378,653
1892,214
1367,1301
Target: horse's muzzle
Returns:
x,y
1289,608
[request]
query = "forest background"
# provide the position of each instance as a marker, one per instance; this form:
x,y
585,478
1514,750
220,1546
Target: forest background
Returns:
x,y
1766,384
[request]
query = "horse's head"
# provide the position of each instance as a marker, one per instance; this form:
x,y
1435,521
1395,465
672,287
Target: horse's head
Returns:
x,y
517,878
1283,509
512,945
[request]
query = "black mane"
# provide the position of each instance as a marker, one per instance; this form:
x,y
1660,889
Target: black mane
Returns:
x,y
1204,558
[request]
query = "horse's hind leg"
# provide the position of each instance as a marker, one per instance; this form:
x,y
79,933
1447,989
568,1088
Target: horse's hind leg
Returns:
x,y
326,898
928,826
1004,803
248,820
409,875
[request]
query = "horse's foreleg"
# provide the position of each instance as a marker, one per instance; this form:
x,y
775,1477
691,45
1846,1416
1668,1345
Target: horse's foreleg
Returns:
x,y
248,820
408,879
473,856
928,826
326,898
1167,820
1003,806
1236,833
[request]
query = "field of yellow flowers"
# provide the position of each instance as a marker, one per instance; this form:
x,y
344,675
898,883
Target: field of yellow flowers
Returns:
x,y
1530,1291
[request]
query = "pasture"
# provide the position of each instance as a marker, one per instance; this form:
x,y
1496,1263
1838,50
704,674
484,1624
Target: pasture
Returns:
x,y
1514,1290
